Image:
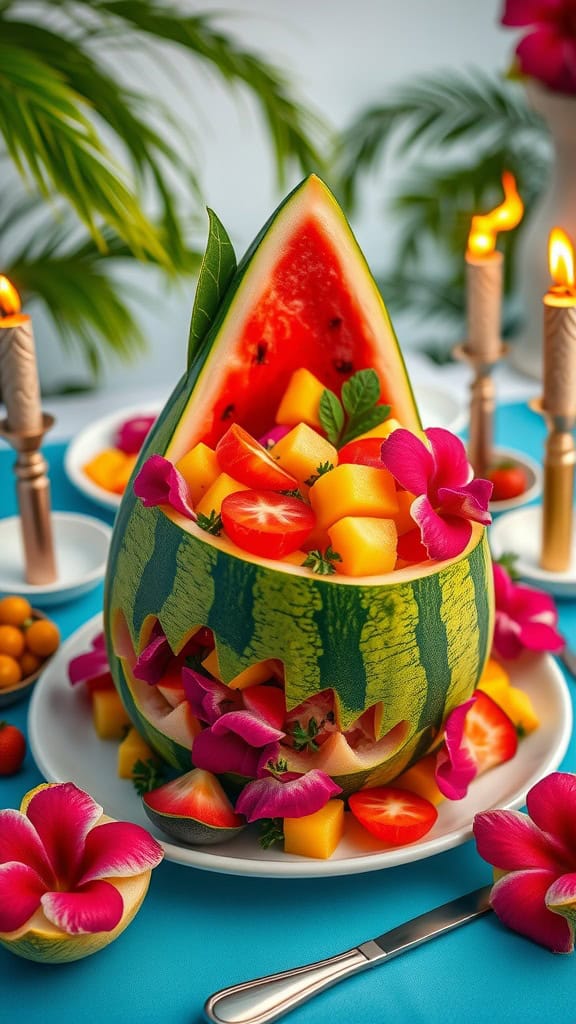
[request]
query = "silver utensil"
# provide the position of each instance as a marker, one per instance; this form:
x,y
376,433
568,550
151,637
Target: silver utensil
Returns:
x,y
568,659
266,999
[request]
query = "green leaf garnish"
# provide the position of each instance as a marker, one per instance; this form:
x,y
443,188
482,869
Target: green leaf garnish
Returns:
x,y
358,412
305,739
271,832
212,523
323,468
322,563
278,767
216,272
147,775
508,560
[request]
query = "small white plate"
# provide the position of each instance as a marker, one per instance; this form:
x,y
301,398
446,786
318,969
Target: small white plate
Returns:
x,y
439,408
519,532
67,749
533,477
81,546
93,440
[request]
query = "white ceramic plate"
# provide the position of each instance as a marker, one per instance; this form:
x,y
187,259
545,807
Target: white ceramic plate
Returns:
x,y
94,439
81,546
439,408
533,473
66,748
519,532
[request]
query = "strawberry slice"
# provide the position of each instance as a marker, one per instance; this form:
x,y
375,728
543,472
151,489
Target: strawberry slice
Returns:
x,y
393,815
245,459
488,732
364,451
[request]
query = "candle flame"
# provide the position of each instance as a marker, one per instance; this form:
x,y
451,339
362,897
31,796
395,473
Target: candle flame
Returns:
x,y
485,226
9,298
561,258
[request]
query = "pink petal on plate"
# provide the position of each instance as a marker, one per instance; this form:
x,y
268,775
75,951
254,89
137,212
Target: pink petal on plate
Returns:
x,y
531,603
551,803
87,666
538,636
96,907
229,753
208,698
131,434
118,849
451,466
443,537
519,901
272,798
250,727
509,840
160,483
19,841
63,815
21,890
409,460
455,766
506,638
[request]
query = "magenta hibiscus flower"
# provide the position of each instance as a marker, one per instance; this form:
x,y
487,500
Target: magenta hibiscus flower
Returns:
x,y
526,618
536,896
548,51
447,499
59,858
159,483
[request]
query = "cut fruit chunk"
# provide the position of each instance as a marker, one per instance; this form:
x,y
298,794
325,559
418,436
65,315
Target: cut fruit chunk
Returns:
x,y
194,809
199,467
366,546
301,400
352,490
243,458
393,815
132,749
302,451
489,733
212,500
109,715
421,779
315,835
265,523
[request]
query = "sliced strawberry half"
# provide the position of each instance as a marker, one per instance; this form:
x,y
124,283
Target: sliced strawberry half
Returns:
x,y
245,459
488,732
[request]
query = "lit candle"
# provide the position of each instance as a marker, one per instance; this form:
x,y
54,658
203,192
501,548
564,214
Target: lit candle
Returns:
x,y
484,274
18,369
559,405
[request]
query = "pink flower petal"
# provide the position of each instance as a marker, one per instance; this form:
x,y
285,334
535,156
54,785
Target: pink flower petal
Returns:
x,y
506,638
455,766
89,664
63,815
551,804
250,727
519,901
208,698
511,841
409,460
543,54
21,890
96,907
160,483
229,753
452,468
19,841
503,586
538,636
272,798
561,899
526,12
118,849
469,502
443,537
133,432
269,439
153,660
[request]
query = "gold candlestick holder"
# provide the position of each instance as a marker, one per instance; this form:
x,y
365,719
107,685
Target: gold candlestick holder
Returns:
x,y
558,491
482,404
33,496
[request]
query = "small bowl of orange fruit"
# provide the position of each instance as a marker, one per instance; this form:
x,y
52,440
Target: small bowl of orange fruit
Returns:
x,y
28,639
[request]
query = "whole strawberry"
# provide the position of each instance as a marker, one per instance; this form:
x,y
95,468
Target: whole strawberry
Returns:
x,y
12,749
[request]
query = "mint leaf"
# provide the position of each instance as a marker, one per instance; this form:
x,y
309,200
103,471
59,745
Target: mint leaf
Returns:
x,y
271,832
366,420
360,392
323,468
212,523
147,775
331,415
322,563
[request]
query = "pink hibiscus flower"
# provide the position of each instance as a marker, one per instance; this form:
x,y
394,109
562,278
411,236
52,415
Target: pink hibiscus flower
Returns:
x,y
56,856
526,618
548,51
447,499
536,896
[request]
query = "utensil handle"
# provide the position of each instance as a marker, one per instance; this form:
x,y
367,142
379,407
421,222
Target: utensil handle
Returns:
x,y
266,999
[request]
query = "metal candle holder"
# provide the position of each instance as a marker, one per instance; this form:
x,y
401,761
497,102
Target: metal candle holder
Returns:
x,y
33,495
482,404
557,513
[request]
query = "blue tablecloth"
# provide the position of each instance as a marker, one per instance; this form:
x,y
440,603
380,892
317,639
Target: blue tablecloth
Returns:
x,y
199,931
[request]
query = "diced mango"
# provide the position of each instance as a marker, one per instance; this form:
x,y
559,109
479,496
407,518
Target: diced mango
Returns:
x,y
367,546
302,450
133,748
315,835
493,675
109,467
223,486
495,681
259,672
199,467
383,430
353,490
403,519
109,715
301,400
420,779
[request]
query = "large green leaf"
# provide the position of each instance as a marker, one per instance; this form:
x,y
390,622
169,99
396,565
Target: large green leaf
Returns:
x,y
216,272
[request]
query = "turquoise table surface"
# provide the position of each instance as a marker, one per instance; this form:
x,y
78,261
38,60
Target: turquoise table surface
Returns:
x,y
200,931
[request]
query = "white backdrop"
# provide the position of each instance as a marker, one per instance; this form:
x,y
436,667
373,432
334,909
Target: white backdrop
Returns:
x,y
342,55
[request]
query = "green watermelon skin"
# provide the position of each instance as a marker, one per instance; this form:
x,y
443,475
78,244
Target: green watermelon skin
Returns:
x,y
417,643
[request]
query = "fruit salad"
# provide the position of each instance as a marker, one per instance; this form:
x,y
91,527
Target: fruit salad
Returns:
x,y
112,467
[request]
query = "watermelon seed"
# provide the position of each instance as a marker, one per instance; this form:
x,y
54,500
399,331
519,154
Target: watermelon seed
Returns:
x,y
227,412
343,365
335,322
261,350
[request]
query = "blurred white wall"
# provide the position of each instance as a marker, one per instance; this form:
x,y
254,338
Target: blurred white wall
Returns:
x,y
341,55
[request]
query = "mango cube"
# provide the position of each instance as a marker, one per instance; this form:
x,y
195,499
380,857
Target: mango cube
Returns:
x,y
353,490
383,430
367,546
212,500
514,702
302,451
403,519
259,672
301,400
109,715
199,467
110,469
133,748
315,835
420,779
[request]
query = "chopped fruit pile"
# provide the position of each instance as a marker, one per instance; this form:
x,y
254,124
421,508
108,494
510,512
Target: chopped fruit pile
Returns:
x,y
26,640
112,468
318,495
